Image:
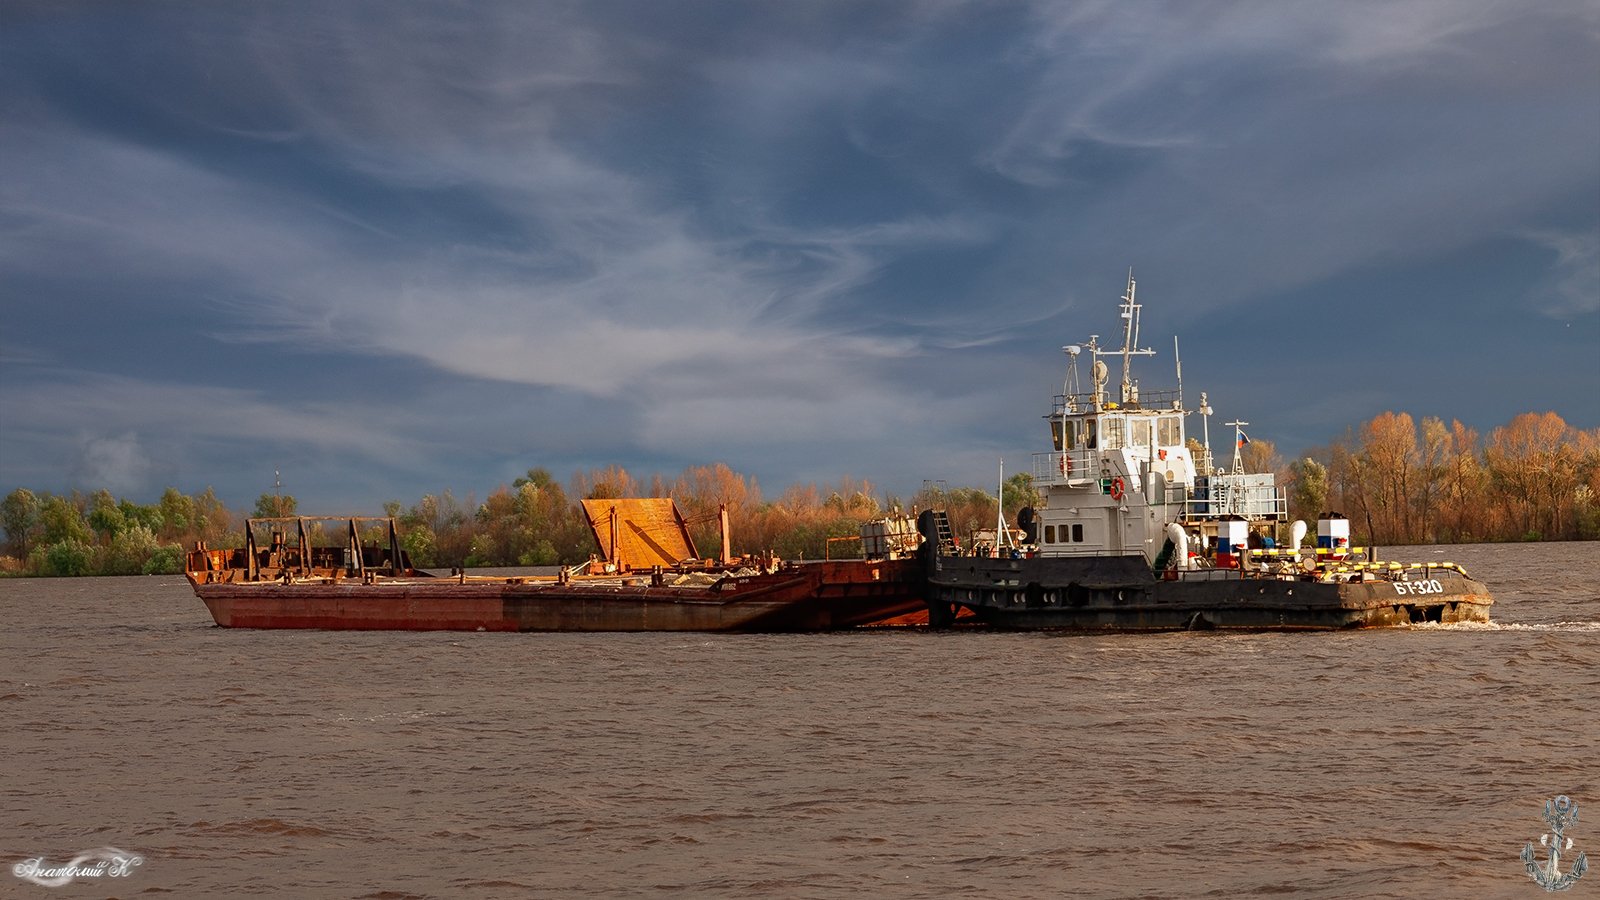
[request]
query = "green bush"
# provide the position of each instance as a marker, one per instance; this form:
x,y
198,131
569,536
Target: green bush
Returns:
x,y
541,554
166,560
127,552
67,557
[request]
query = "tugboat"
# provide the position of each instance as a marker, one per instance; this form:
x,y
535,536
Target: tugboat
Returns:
x,y
1137,530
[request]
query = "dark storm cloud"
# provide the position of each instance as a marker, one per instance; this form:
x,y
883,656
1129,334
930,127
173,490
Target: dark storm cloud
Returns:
x,y
437,244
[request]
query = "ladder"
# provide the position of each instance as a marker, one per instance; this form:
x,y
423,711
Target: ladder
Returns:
x,y
941,528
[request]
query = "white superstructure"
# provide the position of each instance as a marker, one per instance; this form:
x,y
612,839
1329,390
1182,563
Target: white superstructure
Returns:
x,y
1121,471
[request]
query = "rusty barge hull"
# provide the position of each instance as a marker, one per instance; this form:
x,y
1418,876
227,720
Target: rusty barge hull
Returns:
x,y
395,606
821,596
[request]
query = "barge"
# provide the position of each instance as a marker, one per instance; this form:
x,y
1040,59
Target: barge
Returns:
x,y
1137,529
646,578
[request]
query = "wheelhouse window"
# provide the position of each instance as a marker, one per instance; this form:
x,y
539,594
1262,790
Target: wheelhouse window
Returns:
x,y
1049,534
1169,431
1140,432
1111,432
1066,433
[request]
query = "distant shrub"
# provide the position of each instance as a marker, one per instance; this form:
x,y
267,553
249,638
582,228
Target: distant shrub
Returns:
x,y
128,551
64,558
541,554
166,560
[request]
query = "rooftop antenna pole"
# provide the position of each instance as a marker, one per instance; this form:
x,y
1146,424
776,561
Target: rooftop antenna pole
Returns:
x,y
1130,336
1178,360
1238,444
1072,385
1097,373
1136,308
1205,418
1130,342
1002,535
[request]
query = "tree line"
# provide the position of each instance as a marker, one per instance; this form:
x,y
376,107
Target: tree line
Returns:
x,y
1397,480
534,521
1401,481
98,534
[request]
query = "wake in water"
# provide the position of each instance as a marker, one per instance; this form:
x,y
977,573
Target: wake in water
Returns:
x,y
1508,626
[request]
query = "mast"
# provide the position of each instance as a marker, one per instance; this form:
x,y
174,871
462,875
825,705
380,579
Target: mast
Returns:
x,y
1129,311
1238,445
1130,336
1178,362
1002,535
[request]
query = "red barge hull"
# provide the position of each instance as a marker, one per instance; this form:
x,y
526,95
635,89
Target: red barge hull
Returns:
x,y
368,582
819,596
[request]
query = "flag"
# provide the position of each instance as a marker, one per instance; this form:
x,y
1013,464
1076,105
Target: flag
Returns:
x,y
1243,439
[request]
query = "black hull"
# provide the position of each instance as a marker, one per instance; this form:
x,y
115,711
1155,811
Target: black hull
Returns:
x,y
1121,594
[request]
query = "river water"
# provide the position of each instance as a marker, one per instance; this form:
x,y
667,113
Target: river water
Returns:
x,y
1402,763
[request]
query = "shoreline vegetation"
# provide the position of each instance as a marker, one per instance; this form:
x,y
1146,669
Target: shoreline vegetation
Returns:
x,y
1399,482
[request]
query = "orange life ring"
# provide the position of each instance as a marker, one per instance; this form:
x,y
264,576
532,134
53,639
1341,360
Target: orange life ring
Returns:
x,y
1116,488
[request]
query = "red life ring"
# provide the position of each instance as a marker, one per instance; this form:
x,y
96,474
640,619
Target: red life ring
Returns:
x,y
1116,488
1066,464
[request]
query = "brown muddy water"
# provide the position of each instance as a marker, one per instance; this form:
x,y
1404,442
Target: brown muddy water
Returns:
x,y
1403,763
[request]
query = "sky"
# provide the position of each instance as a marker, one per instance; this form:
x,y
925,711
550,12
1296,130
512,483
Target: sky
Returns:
x,y
392,248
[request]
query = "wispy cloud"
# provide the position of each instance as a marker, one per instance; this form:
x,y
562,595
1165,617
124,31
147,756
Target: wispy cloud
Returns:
x,y
1573,287
814,226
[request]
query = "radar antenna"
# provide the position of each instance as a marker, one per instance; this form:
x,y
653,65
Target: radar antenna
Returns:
x,y
1130,342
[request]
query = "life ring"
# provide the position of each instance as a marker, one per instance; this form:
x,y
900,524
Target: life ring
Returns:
x,y
1116,488
1066,464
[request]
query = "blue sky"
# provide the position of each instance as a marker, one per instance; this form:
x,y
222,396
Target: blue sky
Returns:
x,y
393,248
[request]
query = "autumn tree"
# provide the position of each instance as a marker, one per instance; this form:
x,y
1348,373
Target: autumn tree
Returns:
x,y
104,516
1389,453
1460,486
1586,497
1533,464
61,519
178,516
1016,492
610,483
701,492
270,506
500,531
1260,456
19,513
1308,489
437,531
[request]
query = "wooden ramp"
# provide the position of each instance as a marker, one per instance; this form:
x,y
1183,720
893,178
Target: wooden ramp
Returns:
x,y
637,533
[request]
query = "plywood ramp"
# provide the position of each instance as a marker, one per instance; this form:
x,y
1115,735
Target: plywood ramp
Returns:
x,y
638,533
